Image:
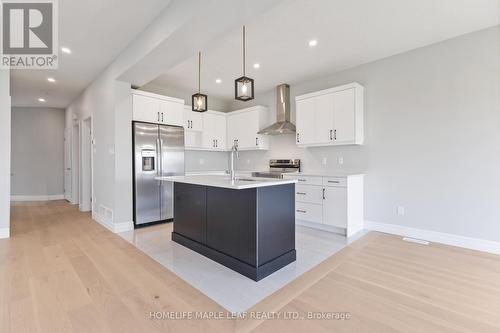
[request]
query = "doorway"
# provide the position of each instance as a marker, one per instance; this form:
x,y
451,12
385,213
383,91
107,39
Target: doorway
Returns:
x,y
86,166
75,162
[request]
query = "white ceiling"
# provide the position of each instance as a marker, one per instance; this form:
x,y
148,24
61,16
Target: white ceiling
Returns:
x,y
96,31
349,33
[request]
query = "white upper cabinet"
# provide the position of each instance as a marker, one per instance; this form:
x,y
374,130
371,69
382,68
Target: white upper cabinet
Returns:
x,y
193,121
156,108
146,108
214,131
330,117
243,126
305,121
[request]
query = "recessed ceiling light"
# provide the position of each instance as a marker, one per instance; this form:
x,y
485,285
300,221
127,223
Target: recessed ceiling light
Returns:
x,y
218,80
42,100
256,65
51,79
66,50
313,42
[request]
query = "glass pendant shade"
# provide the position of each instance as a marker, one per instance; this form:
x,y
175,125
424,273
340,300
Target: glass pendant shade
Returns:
x,y
199,102
243,89
244,86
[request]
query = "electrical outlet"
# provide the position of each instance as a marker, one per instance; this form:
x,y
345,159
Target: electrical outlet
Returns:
x,y
400,210
340,160
324,161
201,161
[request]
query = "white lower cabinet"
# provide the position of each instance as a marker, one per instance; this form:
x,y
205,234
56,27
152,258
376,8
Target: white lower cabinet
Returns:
x,y
335,206
330,203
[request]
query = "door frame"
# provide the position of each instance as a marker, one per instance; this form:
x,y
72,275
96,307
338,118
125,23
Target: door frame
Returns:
x,y
75,163
86,162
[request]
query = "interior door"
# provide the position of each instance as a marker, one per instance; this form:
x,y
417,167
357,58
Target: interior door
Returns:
x,y
147,188
67,164
305,121
335,206
345,131
171,141
324,112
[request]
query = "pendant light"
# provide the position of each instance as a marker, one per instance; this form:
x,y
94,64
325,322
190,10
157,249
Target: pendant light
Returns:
x,y
243,86
198,100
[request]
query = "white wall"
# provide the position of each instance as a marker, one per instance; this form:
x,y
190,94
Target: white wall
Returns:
x,y
37,164
5,120
432,121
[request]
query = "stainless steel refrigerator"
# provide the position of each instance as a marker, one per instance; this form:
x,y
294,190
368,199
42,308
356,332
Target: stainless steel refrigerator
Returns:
x,y
158,151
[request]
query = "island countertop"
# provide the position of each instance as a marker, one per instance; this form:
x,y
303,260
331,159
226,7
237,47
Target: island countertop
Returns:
x,y
224,181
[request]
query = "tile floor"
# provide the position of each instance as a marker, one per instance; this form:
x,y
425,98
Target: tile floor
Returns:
x,y
233,291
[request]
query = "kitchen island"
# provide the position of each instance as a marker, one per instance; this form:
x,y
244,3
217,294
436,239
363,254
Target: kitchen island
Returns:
x,y
246,224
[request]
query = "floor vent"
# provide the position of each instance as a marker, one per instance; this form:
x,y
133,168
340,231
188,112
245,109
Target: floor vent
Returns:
x,y
414,240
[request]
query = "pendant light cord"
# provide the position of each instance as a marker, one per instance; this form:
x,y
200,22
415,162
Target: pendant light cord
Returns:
x,y
199,71
244,51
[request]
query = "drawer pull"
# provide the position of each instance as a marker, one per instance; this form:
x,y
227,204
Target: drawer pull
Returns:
x,y
301,211
301,180
301,193
334,181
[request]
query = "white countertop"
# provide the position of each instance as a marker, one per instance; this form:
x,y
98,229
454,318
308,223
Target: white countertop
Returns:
x,y
327,173
224,181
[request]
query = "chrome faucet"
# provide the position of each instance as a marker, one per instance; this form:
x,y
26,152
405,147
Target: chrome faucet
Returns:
x,y
234,149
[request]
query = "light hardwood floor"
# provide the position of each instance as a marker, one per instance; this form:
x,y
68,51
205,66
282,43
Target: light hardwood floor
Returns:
x,y
62,272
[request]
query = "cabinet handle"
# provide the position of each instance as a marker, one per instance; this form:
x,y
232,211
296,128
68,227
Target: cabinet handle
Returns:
x,y
213,143
162,117
301,193
331,134
335,134
256,141
216,143
301,211
298,137
334,181
191,123
301,180
323,194
158,116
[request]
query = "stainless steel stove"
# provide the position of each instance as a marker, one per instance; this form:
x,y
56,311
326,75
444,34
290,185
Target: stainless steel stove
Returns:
x,y
277,168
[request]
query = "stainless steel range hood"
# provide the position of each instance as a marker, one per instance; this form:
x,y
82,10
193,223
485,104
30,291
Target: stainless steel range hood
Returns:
x,y
283,124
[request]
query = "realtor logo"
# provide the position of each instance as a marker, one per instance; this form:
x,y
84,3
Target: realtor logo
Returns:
x,y
29,34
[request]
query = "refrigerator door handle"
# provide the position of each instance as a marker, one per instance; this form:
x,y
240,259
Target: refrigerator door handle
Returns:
x,y
158,158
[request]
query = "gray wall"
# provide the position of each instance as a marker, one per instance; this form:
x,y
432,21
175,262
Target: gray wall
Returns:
x,y
37,151
213,102
432,122
5,120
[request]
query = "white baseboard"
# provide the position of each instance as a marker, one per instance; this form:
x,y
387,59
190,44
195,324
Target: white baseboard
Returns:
x,y
113,227
435,236
123,226
321,226
36,197
4,232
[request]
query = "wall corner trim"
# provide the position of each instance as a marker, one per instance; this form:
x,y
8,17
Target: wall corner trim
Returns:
x,y
36,197
435,236
4,232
